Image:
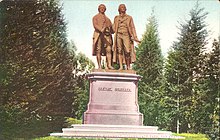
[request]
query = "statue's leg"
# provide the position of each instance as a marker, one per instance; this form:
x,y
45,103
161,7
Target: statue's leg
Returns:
x,y
109,57
119,48
127,50
98,53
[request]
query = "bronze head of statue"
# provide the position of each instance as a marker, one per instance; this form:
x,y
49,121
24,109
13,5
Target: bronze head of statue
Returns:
x,y
101,8
122,8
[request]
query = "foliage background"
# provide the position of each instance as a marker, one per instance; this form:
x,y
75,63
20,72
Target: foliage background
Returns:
x,y
42,78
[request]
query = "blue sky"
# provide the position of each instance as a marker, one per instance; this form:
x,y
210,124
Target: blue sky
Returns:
x,y
79,13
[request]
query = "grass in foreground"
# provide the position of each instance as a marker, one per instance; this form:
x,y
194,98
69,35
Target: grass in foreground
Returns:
x,y
188,136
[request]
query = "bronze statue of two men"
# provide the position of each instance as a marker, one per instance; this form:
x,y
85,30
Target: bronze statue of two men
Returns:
x,y
122,50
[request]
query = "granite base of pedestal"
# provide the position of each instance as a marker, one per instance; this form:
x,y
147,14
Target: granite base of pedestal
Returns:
x,y
114,131
113,99
114,119
113,110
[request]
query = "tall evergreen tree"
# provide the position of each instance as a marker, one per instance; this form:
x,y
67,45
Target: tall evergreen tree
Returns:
x,y
149,65
36,66
211,86
184,70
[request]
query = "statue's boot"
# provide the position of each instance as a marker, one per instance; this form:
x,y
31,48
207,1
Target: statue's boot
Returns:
x,y
111,68
120,62
109,61
98,57
128,61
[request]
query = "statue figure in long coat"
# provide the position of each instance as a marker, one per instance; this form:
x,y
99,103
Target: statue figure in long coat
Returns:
x,y
102,38
125,35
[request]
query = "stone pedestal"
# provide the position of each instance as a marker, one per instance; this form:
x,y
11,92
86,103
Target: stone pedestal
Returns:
x,y
113,110
113,99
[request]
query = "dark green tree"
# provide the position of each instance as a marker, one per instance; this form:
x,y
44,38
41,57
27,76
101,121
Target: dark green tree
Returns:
x,y
211,85
183,74
36,68
149,65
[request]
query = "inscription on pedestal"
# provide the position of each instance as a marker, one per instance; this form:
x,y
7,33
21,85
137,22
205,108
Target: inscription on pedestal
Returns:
x,y
104,89
115,89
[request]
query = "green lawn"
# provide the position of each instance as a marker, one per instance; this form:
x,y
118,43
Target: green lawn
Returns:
x,y
187,136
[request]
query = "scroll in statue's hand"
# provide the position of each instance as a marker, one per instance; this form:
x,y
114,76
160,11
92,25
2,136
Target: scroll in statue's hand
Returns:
x,y
136,40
